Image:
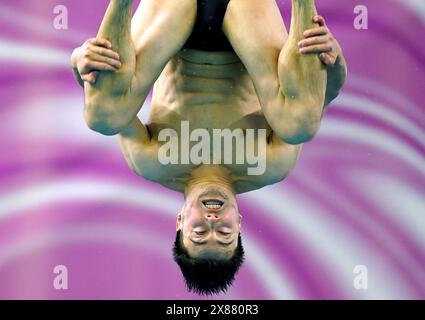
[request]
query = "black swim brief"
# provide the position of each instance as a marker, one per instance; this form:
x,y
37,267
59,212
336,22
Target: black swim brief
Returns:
x,y
207,34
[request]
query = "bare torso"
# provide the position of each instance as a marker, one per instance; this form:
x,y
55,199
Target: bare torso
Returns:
x,y
264,79
212,90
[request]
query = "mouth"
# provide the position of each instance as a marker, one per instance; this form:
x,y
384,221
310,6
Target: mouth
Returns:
x,y
213,204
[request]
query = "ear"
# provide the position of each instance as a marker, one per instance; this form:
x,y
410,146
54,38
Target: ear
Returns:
x,y
179,222
240,222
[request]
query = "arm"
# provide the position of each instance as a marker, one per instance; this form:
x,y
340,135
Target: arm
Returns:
x,y
93,56
145,45
113,91
337,74
135,141
318,41
291,86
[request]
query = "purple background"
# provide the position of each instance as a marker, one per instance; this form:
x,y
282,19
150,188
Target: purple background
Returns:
x,y
356,196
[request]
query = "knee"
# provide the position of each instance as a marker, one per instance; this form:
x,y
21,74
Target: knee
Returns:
x,y
102,122
103,127
301,127
299,135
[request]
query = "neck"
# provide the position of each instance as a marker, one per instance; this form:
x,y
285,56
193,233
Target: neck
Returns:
x,y
209,175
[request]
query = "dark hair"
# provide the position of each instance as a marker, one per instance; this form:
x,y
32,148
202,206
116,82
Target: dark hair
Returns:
x,y
207,276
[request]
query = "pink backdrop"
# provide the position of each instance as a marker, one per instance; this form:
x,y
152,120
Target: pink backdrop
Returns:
x,y
356,196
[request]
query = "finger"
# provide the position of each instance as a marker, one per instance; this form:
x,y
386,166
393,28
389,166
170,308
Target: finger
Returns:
x,y
91,77
105,52
320,20
313,40
99,58
319,31
88,78
101,42
99,66
318,48
327,59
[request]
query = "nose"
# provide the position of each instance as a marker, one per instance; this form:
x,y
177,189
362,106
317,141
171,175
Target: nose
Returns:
x,y
212,217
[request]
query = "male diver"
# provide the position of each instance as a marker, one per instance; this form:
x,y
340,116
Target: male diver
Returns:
x,y
216,64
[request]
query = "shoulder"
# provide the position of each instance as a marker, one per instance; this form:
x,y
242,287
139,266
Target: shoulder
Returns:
x,y
281,159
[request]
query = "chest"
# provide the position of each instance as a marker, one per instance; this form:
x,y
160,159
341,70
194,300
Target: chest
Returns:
x,y
242,148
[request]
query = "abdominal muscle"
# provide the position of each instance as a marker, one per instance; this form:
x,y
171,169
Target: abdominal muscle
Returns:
x,y
208,89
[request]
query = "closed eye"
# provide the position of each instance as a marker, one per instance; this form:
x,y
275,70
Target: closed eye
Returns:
x,y
225,244
198,243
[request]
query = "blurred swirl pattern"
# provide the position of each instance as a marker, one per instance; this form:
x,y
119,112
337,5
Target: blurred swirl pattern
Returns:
x,y
355,198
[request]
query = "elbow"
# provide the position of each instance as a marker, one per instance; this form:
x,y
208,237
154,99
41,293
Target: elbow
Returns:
x,y
102,122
